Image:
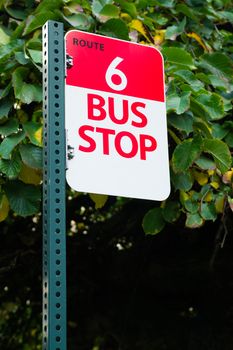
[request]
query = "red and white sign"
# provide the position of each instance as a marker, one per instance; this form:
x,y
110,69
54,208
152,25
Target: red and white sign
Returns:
x,y
116,118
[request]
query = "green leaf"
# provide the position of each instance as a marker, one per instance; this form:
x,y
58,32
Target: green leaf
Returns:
x,y
9,143
220,152
218,82
17,33
36,56
24,199
178,57
219,131
218,63
128,7
212,105
177,103
191,206
194,220
34,132
166,3
37,115
16,13
182,181
30,93
20,57
183,122
10,127
5,106
173,31
7,66
37,21
48,5
153,221
27,93
229,139
159,18
115,28
171,211
29,175
201,125
4,37
80,21
227,105
10,167
97,5
73,8
34,44
187,11
7,50
205,163
99,199
208,211
227,14
185,154
110,10
190,78
31,156
4,92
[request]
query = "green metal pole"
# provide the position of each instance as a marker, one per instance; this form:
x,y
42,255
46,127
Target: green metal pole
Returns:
x,y
54,208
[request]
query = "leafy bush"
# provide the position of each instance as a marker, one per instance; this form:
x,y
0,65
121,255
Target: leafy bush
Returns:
x,y
195,37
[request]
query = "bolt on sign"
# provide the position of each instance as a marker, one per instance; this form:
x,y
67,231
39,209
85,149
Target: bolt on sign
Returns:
x,y
115,118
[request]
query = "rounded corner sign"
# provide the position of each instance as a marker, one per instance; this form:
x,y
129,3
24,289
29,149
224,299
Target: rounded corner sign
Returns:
x,y
115,117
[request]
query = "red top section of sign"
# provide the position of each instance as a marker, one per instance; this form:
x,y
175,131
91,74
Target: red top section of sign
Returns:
x,y
92,54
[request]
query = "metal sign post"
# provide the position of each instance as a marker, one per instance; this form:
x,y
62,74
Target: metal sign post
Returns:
x,y
54,209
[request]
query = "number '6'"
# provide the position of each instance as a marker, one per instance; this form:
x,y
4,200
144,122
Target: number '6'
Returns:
x,y
112,70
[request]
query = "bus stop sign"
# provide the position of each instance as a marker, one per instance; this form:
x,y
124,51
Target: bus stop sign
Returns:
x,y
115,116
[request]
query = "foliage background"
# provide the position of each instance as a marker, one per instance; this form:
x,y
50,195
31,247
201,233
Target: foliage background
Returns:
x,y
180,275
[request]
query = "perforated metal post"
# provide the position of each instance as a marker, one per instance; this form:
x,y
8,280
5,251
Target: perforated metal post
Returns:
x,y
54,209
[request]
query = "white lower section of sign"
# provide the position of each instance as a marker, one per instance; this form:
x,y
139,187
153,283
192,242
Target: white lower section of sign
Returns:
x,y
119,144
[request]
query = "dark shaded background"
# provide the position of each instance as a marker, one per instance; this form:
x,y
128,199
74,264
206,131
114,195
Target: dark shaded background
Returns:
x,y
125,290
